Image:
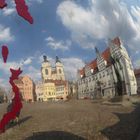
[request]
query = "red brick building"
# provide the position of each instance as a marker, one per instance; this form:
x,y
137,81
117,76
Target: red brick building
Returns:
x,y
27,88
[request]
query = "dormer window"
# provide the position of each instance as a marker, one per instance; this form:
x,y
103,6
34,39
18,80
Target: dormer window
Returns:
x,y
105,62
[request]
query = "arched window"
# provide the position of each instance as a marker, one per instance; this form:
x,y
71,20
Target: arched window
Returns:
x,y
46,71
60,71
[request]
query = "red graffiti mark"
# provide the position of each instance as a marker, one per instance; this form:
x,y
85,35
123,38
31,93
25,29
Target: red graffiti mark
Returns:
x,y
2,4
17,104
22,10
5,53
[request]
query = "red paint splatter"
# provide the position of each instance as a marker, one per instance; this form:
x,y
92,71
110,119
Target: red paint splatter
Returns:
x,y
5,53
17,104
2,4
22,10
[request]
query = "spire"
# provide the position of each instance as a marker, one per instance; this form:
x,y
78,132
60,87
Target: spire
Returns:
x,y
97,52
57,59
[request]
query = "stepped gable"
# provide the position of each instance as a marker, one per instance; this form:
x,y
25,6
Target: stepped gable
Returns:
x,y
93,64
116,41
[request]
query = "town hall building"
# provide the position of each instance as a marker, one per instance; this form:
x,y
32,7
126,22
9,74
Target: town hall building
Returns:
x,y
110,74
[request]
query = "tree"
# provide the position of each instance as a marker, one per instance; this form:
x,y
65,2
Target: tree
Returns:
x,y
2,93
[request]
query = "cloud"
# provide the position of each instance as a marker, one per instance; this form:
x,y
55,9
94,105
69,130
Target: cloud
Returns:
x,y
34,73
58,45
40,59
26,61
5,34
137,63
3,84
8,11
5,67
71,65
31,1
101,20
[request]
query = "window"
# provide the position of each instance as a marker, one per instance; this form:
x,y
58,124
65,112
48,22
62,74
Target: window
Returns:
x,y
83,80
107,72
100,75
89,79
46,71
60,71
96,77
109,82
103,74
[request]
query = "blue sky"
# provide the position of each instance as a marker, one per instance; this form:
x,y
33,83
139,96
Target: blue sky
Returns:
x,y
69,29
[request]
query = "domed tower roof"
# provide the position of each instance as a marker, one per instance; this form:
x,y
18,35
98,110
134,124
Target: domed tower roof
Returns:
x,y
57,60
45,62
45,58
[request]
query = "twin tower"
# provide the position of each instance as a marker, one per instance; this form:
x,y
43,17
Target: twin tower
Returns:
x,y
52,73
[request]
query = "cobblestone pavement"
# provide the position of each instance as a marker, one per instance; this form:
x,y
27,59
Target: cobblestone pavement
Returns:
x,y
83,119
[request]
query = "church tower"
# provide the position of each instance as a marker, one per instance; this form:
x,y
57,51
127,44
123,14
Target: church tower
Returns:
x,y
123,65
59,70
46,69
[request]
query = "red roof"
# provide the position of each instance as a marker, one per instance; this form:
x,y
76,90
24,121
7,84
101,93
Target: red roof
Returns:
x,y
56,82
60,82
137,72
105,55
81,71
93,64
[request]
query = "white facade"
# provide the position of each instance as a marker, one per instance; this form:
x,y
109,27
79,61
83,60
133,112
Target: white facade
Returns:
x,y
137,74
39,91
110,74
55,73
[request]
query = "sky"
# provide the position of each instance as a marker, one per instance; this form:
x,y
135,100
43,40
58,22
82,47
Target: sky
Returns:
x,y
69,29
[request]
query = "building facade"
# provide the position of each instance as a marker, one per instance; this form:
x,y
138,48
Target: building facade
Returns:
x,y
110,74
55,87
61,90
73,89
39,92
49,72
137,74
49,93
20,85
27,88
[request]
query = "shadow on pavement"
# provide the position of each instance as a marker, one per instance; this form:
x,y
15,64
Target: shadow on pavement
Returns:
x,y
20,122
128,127
54,135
